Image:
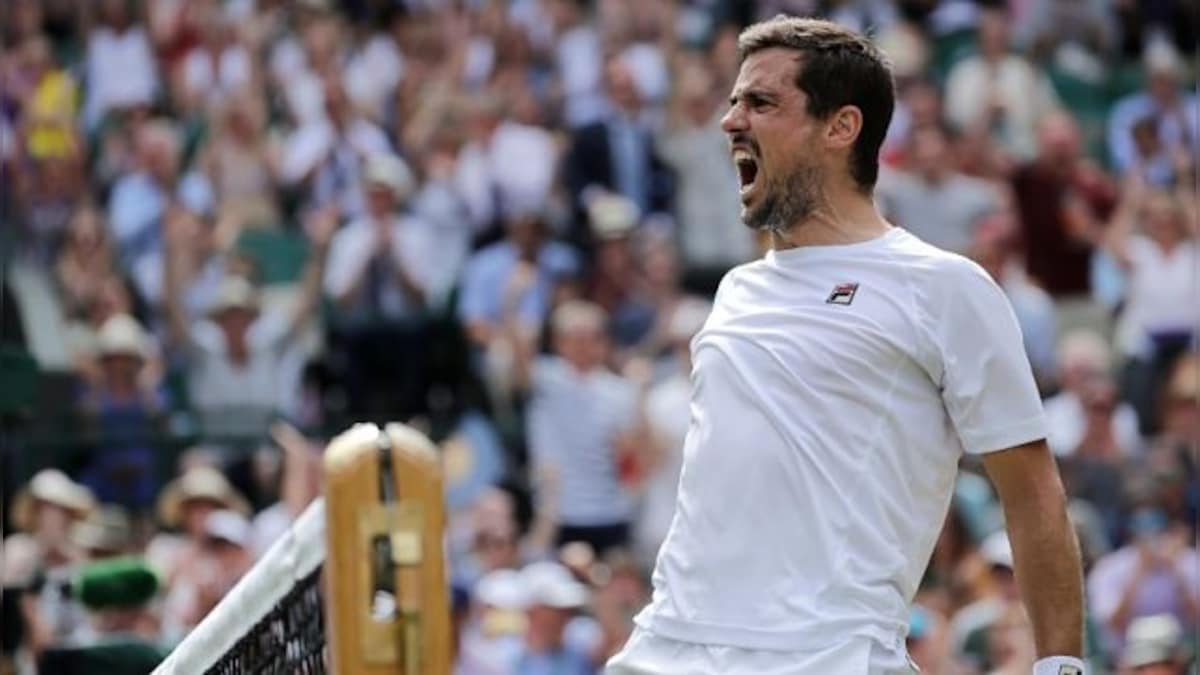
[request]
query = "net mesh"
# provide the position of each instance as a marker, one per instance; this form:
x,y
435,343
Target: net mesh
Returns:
x,y
290,639
272,622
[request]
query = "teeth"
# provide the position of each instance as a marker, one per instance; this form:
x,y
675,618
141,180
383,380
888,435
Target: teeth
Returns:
x,y
742,156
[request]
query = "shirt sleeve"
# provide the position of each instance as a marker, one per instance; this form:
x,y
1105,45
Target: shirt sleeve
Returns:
x,y
986,382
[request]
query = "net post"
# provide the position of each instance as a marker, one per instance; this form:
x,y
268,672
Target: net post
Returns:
x,y
387,606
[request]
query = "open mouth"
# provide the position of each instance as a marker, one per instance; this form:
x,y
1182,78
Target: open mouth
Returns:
x,y
747,168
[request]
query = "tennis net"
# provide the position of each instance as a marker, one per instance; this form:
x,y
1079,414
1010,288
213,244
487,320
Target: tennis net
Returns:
x,y
272,622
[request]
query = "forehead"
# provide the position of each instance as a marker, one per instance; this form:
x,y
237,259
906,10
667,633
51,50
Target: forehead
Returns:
x,y
772,69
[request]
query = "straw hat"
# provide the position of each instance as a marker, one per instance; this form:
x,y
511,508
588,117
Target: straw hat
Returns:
x,y
121,335
106,530
53,487
235,293
199,483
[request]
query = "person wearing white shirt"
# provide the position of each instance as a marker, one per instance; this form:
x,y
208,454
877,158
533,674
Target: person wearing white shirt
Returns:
x,y
120,65
236,356
1174,115
836,386
1152,236
999,94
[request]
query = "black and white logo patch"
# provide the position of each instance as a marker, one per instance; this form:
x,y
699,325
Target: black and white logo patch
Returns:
x,y
1069,670
843,294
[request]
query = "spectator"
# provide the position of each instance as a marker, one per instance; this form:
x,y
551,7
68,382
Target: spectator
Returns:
x,y
48,195
1156,573
926,640
582,422
217,67
695,149
49,117
614,279
971,627
323,157
1174,123
42,514
554,596
141,199
234,358
617,153
382,275
185,503
86,256
931,178
491,641
999,94
299,485
1085,363
517,274
994,246
241,158
122,630
121,71
39,561
1062,199
106,533
124,406
1152,235
665,410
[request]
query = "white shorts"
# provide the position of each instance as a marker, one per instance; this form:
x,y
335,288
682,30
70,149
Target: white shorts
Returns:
x,y
648,653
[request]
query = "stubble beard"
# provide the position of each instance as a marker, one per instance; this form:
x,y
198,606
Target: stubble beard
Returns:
x,y
787,201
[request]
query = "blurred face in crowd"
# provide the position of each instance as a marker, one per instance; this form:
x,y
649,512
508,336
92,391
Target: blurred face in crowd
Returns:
x,y
546,624
158,152
614,260
525,232
773,141
1163,86
381,202
621,87
120,371
659,264
51,523
112,297
930,153
994,239
1010,638
1058,140
115,13
993,33
195,512
87,234
924,104
496,548
25,17
583,346
1162,219
235,324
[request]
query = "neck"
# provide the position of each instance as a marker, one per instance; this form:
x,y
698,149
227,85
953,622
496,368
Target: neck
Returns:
x,y
845,215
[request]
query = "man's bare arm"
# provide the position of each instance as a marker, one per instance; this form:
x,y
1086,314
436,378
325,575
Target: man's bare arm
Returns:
x,y
1045,551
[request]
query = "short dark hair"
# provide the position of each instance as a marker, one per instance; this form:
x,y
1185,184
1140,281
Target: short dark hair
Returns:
x,y
838,67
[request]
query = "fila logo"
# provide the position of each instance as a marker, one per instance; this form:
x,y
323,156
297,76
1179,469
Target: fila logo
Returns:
x,y
843,294
1069,670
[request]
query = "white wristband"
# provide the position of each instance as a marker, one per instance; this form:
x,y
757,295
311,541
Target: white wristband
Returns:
x,y
1059,665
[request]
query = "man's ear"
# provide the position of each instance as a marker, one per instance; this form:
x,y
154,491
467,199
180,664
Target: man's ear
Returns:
x,y
843,128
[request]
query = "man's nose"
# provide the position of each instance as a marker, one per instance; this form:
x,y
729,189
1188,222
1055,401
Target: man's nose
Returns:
x,y
734,120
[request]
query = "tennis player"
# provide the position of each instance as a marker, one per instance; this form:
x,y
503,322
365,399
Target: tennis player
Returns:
x,y
835,387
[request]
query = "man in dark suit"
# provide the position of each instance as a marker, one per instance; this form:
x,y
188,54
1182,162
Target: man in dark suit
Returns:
x,y
616,153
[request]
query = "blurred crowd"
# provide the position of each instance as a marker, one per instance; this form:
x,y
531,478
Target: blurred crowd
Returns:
x,y
232,227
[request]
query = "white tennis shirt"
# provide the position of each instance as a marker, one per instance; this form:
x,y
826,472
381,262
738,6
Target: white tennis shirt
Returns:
x,y
834,389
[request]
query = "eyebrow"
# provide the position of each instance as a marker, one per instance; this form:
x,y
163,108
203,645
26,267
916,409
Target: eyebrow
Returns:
x,y
752,96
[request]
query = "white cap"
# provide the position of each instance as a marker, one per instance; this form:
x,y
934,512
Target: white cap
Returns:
x,y
503,589
551,585
391,172
229,526
1152,639
121,334
997,550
